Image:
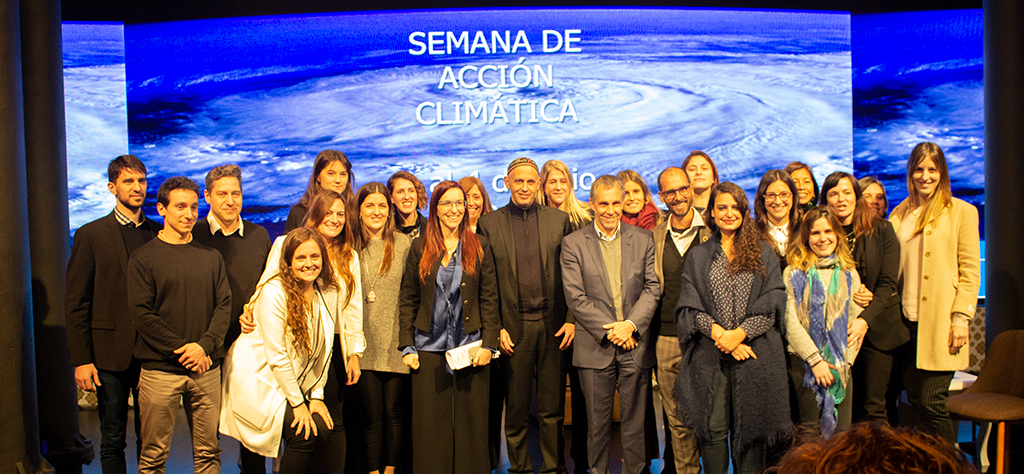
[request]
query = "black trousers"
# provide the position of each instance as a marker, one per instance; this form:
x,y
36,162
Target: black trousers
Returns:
x,y
303,454
334,398
385,400
449,417
872,374
536,358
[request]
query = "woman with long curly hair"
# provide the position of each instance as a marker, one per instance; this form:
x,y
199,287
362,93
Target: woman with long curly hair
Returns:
x,y
820,281
449,300
332,171
384,382
939,279
290,355
733,375
327,216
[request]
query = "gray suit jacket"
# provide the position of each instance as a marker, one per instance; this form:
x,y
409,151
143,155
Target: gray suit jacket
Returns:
x,y
553,226
588,294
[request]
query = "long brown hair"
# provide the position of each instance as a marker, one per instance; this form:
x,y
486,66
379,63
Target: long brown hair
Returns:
x,y
746,249
700,154
433,241
800,254
797,165
467,183
295,319
863,214
388,234
761,209
942,197
340,249
421,191
323,160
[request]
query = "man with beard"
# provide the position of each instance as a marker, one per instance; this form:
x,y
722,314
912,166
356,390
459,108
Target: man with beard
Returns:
x,y
101,335
673,239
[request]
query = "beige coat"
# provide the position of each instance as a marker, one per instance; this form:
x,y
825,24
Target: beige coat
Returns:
x,y
951,276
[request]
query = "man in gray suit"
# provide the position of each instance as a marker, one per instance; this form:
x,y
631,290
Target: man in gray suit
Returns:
x,y
612,288
526,240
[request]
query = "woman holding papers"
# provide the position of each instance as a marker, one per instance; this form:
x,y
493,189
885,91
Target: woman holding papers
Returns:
x,y
448,301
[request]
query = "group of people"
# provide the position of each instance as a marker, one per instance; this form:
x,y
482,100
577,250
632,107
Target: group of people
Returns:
x,y
815,311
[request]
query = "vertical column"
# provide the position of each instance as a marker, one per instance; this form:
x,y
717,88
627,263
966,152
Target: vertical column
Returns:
x,y
46,171
1004,166
19,425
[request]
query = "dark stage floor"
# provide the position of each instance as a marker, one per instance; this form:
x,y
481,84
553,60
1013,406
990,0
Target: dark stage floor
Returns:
x,y
180,459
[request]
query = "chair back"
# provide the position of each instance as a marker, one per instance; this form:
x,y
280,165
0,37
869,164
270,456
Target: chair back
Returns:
x,y
1003,371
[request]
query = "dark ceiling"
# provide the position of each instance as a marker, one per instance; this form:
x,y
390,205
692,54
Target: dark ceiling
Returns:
x,y
141,11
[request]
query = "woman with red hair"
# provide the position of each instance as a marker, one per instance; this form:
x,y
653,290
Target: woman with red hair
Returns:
x,y
449,300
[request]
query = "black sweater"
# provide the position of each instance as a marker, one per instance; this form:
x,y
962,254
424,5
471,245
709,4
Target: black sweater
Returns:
x,y
244,257
178,294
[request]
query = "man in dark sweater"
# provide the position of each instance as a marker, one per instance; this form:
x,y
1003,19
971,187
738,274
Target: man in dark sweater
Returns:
x,y
243,245
101,335
179,293
673,239
526,242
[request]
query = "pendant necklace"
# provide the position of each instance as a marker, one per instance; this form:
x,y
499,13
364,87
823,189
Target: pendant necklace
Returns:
x,y
372,296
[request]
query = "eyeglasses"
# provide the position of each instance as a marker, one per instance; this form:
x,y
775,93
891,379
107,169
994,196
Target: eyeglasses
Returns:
x,y
673,194
446,205
771,197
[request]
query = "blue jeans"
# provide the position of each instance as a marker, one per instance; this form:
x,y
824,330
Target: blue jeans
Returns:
x,y
112,398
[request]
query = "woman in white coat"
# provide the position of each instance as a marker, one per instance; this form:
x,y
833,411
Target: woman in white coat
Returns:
x,y
274,387
327,218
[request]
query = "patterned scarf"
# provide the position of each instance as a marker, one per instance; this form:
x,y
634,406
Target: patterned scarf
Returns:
x,y
825,313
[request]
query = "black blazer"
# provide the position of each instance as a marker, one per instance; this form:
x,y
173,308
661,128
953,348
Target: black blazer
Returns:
x,y
479,298
100,325
878,262
552,224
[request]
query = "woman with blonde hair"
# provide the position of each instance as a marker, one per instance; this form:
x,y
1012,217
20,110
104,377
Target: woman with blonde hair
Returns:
x,y
557,191
939,281
820,281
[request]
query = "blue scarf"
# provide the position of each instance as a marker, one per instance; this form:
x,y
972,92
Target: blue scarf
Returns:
x,y
827,313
